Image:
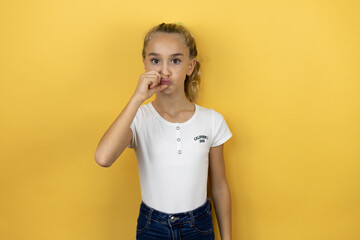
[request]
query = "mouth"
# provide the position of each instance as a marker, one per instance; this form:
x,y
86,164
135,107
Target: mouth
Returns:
x,y
165,81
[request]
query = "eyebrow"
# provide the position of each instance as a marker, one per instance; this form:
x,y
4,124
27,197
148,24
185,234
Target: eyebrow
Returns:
x,y
173,55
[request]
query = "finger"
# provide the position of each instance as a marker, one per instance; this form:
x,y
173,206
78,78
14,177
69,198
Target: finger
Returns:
x,y
163,87
155,74
152,73
152,91
158,88
153,82
157,77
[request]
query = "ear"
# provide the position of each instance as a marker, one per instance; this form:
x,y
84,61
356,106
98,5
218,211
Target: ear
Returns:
x,y
191,67
143,61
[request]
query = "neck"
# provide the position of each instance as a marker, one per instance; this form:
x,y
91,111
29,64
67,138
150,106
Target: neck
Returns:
x,y
172,103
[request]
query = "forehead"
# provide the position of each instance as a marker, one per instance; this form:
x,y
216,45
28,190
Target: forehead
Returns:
x,y
166,44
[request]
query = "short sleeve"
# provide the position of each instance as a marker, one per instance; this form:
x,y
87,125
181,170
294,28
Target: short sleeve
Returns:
x,y
220,130
132,141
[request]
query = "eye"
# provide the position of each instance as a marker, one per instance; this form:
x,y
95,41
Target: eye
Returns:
x,y
154,60
176,60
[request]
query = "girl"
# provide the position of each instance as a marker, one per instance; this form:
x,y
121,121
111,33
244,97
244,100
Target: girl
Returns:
x,y
176,142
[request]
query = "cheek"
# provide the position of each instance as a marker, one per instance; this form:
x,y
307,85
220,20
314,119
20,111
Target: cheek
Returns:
x,y
185,70
149,67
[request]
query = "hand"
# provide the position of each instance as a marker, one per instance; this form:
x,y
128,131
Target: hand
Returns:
x,y
149,83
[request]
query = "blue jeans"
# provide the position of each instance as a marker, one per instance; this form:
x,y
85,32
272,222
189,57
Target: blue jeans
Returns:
x,y
196,224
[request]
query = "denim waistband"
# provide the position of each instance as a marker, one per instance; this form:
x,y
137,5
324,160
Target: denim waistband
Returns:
x,y
173,218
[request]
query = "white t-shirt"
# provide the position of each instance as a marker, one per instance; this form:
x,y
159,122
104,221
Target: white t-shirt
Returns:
x,y
173,158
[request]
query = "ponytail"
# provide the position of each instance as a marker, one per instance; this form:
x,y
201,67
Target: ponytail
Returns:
x,y
192,83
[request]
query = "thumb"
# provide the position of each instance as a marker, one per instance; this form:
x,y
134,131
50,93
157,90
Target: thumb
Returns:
x,y
162,87
158,88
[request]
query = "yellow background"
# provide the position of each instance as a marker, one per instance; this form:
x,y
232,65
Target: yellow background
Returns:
x,y
284,74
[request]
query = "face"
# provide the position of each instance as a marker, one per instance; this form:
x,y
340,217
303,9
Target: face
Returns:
x,y
168,55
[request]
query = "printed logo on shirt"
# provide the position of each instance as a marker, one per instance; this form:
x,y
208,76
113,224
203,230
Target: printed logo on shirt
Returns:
x,y
201,138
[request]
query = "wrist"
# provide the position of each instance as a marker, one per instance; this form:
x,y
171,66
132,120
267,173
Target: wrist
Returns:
x,y
135,99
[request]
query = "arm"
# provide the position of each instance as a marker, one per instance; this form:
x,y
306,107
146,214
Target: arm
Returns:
x,y
220,191
119,134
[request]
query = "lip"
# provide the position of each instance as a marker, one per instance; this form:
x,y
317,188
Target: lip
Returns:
x,y
165,81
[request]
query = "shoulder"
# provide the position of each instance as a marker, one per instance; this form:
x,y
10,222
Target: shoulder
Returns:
x,y
211,113
144,110
220,132
145,107
143,114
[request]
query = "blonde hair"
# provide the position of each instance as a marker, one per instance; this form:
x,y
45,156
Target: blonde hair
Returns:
x,y
192,82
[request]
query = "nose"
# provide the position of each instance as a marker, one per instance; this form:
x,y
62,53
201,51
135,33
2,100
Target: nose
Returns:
x,y
165,69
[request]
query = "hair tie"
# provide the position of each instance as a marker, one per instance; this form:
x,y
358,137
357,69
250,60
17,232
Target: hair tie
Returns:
x,y
179,23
